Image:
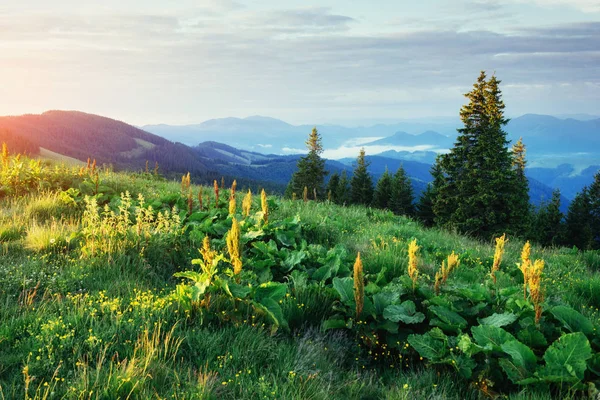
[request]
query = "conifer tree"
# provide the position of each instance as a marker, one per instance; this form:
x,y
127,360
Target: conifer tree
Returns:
x,y
578,221
343,190
333,186
476,187
361,185
402,202
383,191
310,171
521,209
424,207
548,225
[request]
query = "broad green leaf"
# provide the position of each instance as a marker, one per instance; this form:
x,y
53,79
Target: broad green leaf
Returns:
x,y
272,309
405,312
449,317
383,299
251,235
572,320
191,275
322,274
293,259
566,359
594,364
286,238
466,345
345,288
333,323
270,290
499,320
532,337
429,345
198,289
490,337
238,291
463,364
522,362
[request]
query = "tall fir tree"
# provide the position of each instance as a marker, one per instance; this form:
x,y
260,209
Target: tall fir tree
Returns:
x,y
520,213
402,202
361,185
383,191
578,224
424,207
333,187
310,171
548,224
343,190
476,189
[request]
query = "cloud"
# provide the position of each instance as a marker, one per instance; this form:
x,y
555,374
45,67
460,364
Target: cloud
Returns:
x,y
302,64
352,151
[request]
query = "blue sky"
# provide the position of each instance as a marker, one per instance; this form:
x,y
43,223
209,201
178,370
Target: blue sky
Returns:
x,y
309,62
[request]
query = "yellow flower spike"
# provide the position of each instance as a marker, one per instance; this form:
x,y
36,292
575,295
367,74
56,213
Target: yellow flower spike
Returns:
x,y
247,204
525,266
413,269
233,246
500,242
359,286
232,206
264,205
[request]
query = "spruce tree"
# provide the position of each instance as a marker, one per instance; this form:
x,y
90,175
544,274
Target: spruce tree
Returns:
x,y
383,191
578,225
333,187
520,205
343,190
361,185
424,207
310,171
402,202
476,189
594,194
548,225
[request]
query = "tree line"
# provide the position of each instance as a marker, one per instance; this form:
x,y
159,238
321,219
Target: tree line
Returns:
x,y
479,188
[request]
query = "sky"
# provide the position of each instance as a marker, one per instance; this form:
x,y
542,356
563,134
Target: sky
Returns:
x,y
303,61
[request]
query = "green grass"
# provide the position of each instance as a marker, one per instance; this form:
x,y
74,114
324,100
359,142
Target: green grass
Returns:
x,y
109,326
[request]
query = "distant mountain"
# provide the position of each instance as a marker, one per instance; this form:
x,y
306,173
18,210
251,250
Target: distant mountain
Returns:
x,y
543,134
80,135
564,177
269,135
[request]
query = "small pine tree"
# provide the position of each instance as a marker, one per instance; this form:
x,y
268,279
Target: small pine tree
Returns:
x,y
343,191
383,191
578,221
310,172
424,208
548,224
519,196
361,185
333,186
402,194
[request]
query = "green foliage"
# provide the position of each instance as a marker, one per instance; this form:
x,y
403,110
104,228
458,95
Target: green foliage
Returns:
x,y
477,187
310,171
402,198
361,184
548,226
382,197
582,222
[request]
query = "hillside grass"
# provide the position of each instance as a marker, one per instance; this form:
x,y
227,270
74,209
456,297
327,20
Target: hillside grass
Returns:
x,y
109,326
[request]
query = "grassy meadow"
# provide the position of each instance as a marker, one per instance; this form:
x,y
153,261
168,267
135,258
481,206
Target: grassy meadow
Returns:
x,y
127,286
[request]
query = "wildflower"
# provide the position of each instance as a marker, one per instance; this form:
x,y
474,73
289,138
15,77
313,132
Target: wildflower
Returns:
x,y
232,206
413,270
535,288
247,204
359,286
233,246
525,266
264,205
216,187
305,194
500,242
